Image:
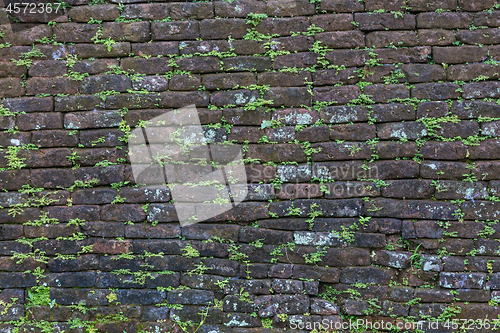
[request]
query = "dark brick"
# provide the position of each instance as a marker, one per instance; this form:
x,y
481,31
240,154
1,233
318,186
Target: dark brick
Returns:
x,y
412,209
342,6
52,178
460,54
436,91
392,38
35,121
369,21
223,28
180,30
422,5
342,39
100,13
436,37
445,20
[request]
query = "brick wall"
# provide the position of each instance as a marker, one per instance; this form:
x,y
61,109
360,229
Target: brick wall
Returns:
x,y
370,137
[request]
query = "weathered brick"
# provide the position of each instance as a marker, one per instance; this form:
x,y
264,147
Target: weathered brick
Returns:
x,y
436,37
54,138
341,95
381,93
97,119
85,51
416,73
391,5
222,28
410,189
182,11
361,132
445,20
283,26
460,54
284,79
390,38
462,280
426,6
432,109
406,130
290,8
75,33
342,6
365,275
52,178
436,91
385,21
239,8
180,30
487,18
342,39
99,13
347,58
11,87
246,63
412,54
412,209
